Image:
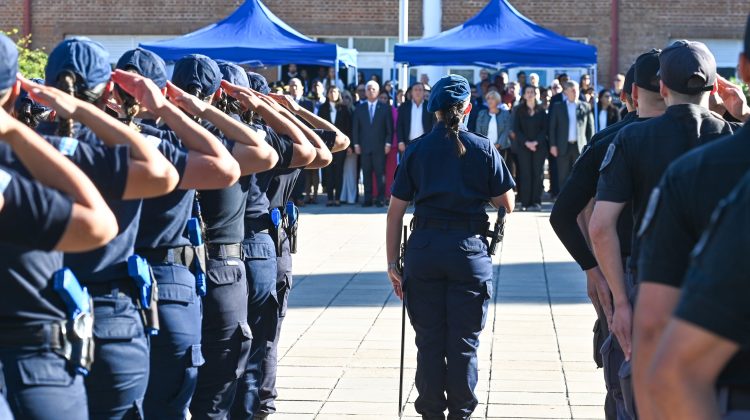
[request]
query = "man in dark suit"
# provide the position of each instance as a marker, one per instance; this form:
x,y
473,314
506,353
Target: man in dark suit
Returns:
x,y
570,129
372,133
413,118
296,90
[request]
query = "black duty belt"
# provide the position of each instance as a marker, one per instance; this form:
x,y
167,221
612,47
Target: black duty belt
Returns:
x,y
124,285
478,228
261,224
219,251
734,398
48,335
182,255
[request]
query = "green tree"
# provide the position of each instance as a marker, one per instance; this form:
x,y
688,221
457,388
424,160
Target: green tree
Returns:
x,y
31,61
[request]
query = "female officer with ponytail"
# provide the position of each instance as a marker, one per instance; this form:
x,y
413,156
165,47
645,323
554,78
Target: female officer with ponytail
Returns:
x,y
450,174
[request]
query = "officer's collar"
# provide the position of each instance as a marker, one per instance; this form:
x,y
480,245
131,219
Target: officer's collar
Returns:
x,y
684,109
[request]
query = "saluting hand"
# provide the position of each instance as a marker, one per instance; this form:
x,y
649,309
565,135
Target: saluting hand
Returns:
x,y
286,101
396,281
247,97
733,99
64,105
143,89
190,103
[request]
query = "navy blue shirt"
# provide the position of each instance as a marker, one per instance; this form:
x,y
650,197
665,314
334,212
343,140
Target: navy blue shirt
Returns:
x,y
257,201
579,189
446,186
641,152
281,188
163,219
682,205
716,287
108,262
32,222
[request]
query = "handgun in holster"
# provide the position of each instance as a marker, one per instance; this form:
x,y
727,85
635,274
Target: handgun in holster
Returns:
x,y
496,235
78,331
148,292
199,249
275,229
292,216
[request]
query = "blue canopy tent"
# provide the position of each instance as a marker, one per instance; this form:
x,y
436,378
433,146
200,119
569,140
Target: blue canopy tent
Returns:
x,y
253,35
498,36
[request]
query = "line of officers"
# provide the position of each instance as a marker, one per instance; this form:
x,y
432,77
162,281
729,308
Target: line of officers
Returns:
x,y
146,234
656,212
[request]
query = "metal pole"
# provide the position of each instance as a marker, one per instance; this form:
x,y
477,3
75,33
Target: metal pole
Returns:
x,y
403,37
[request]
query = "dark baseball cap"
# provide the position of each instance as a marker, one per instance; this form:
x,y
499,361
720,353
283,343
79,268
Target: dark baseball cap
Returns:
x,y
646,70
447,91
627,87
258,83
86,59
199,71
688,67
8,62
146,63
233,74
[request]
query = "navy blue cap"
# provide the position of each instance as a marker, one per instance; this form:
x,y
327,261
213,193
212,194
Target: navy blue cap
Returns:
x,y
646,74
448,91
8,62
233,74
81,56
146,63
629,78
258,83
688,67
197,70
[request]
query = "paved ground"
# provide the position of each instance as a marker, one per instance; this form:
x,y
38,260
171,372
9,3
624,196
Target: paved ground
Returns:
x,y
340,343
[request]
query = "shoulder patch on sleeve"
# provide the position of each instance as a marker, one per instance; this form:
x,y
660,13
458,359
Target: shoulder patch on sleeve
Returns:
x,y
5,178
608,156
155,141
67,146
648,216
716,216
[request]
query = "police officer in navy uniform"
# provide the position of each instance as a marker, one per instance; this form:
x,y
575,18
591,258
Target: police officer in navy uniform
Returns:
x,y
705,342
259,250
632,168
61,212
450,175
162,238
268,300
680,210
124,175
577,198
225,340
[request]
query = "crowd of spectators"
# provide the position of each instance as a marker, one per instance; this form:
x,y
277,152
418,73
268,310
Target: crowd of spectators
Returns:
x,y
539,130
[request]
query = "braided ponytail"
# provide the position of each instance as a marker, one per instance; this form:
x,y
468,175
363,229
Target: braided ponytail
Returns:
x,y
452,115
66,82
130,106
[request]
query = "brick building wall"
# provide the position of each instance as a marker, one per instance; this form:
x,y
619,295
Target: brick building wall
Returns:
x,y
643,23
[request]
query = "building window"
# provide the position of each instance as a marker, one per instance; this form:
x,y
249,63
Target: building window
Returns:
x,y
341,42
370,44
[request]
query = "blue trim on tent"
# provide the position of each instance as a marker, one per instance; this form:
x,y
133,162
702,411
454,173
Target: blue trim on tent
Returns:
x,y
253,35
498,36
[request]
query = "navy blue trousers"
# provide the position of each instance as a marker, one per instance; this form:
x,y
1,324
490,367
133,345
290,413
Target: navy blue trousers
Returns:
x,y
262,305
119,376
40,385
225,338
448,285
176,350
267,390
